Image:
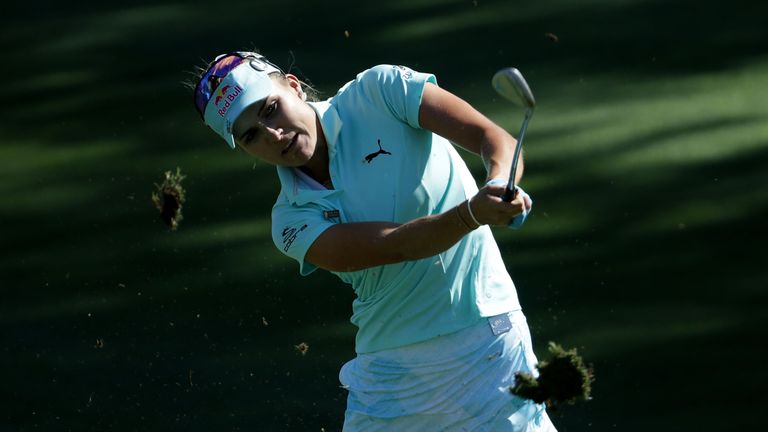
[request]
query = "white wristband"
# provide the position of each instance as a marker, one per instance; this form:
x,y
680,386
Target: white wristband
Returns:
x,y
469,207
498,181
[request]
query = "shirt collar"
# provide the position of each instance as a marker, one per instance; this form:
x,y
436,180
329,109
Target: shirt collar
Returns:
x,y
331,122
296,189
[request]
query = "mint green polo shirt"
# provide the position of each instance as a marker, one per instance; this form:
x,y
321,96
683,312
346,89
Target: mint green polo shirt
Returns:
x,y
385,167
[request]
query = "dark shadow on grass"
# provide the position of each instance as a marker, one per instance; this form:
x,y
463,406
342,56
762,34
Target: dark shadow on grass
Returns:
x,y
111,324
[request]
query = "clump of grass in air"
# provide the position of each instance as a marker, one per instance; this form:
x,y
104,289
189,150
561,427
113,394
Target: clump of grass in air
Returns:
x,y
563,379
302,348
169,198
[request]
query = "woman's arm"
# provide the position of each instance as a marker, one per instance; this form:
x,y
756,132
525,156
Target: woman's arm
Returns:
x,y
451,117
355,246
359,245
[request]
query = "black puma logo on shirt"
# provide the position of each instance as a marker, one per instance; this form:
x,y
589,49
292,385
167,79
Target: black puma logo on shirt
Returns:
x,y
381,151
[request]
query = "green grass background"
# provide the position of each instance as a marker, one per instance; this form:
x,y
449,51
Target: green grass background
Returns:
x,y
646,250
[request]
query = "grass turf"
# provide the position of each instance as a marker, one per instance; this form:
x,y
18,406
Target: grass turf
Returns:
x,y
645,159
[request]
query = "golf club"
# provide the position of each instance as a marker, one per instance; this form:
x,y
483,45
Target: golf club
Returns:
x,y
510,84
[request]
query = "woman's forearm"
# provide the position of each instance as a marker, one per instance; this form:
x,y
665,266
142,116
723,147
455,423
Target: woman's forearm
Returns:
x,y
497,151
358,245
430,235
453,118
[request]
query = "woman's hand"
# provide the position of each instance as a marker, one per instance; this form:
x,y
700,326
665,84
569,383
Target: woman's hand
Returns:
x,y
488,207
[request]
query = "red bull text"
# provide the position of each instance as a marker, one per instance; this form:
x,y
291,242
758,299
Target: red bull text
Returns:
x,y
228,98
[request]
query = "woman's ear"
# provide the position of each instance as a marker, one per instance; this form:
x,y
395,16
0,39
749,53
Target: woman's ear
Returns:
x,y
295,85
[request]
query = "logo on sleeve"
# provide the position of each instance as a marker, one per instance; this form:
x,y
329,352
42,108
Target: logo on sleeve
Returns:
x,y
290,234
374,155
407,73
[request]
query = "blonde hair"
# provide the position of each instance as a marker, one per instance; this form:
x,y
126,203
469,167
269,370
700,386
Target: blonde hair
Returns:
x,y
311,93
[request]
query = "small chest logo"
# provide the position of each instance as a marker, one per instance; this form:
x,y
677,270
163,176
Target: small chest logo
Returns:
x,y
290,234
374,155
331,214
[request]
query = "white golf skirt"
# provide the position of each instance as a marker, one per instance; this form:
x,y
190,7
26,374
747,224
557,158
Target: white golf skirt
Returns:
x,y
456,382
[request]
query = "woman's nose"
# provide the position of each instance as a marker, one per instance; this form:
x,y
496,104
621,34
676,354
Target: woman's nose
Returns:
x,y
275,134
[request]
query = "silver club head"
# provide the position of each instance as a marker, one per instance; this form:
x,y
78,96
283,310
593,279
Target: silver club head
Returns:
x,y
509,83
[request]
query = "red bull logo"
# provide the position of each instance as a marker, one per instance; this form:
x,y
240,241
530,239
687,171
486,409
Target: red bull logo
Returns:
x,y
221,94
224,98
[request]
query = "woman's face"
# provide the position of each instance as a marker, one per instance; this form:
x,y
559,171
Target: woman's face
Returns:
x,y
280,130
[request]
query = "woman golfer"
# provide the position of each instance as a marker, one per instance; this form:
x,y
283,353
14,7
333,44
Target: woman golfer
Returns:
x,y
373,191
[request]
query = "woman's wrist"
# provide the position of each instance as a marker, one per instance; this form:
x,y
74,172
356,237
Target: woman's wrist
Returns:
x,y
466,217
463,221
472,214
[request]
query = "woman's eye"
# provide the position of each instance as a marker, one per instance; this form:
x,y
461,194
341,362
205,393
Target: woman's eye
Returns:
x,y
270,109
249,136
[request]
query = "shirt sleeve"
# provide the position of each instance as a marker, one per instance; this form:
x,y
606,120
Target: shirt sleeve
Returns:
x,y
397,88
295,228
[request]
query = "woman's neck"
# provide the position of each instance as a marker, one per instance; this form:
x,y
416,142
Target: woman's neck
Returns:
x,y
318,166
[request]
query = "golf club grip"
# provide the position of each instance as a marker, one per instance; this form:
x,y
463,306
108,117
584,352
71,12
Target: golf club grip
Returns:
x,y
509,194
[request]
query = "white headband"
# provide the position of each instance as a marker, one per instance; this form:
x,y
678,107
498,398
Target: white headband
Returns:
x,y
245,85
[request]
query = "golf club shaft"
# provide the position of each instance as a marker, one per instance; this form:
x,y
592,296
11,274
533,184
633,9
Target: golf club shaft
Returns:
x,y
511,191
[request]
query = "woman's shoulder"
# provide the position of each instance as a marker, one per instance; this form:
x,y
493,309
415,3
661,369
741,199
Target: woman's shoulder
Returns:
x,y
385,71
376,77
